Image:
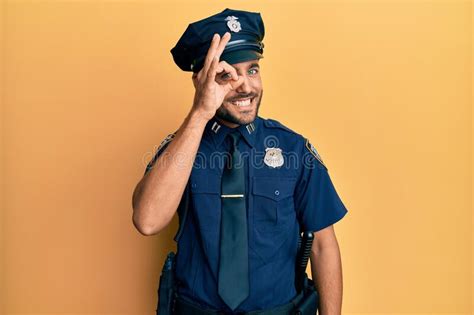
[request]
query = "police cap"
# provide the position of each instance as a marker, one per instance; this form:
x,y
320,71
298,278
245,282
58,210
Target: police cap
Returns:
x,y
247,32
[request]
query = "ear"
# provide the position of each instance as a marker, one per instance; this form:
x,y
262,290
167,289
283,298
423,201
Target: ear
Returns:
x,y
194,78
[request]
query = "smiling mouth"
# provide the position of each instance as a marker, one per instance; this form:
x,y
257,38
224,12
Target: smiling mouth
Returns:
x,y
243,102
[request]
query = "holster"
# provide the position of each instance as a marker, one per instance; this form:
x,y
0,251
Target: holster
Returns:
x,y
310,302
167,289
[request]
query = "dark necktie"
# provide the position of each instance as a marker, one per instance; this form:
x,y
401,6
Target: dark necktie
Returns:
x,y
233,286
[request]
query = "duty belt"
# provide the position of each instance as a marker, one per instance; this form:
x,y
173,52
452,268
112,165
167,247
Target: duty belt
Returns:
x,y
184,307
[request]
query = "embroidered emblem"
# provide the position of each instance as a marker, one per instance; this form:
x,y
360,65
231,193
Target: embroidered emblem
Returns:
x,y
165,141
314,152
273,157
233,24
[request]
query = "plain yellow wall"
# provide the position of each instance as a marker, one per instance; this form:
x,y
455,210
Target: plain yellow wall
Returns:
x,y
89,90
2,164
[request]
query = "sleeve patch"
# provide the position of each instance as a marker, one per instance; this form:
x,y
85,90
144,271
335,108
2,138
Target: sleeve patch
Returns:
x,y
168,138
162,145
314,152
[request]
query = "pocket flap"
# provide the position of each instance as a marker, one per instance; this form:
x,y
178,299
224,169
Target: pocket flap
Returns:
x,y
273,187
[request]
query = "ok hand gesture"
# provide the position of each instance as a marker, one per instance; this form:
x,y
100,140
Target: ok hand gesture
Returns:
x,y
209,93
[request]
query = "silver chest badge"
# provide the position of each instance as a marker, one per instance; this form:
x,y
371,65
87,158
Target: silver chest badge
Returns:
x,y
273,157
233,24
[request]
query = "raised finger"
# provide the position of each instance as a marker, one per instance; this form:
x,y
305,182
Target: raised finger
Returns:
x,y
210,53
211,74
224,40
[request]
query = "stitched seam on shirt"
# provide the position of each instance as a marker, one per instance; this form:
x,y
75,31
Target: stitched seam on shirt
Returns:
x,y
193,285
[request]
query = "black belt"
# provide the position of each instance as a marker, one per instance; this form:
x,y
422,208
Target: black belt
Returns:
x,y
186,307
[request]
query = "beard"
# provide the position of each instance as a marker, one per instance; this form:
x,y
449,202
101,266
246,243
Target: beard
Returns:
x,y
244,117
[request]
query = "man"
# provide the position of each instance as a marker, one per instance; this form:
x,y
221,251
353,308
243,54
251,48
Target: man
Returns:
x,y
254,184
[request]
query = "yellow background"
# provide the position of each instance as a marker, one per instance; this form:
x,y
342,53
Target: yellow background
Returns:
x,y
89,90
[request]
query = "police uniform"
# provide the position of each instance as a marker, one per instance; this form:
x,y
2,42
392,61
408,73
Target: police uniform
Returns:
x,y
287,187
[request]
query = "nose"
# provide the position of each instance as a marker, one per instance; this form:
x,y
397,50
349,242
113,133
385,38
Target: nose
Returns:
x,y
244,88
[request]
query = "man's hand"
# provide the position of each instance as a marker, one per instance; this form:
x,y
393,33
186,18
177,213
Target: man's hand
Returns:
x,y
209,93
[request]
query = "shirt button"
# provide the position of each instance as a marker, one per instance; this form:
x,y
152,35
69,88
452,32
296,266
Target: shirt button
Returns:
x,y
277,192
194,185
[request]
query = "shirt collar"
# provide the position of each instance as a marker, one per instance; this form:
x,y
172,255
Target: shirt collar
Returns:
x,y
218,131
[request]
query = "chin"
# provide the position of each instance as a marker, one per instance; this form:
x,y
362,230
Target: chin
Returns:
x,y
241,116
241,112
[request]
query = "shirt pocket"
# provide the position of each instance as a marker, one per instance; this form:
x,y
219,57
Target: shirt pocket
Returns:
x,y
273,203
206,199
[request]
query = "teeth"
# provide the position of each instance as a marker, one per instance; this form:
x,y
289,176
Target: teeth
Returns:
x,y
242,103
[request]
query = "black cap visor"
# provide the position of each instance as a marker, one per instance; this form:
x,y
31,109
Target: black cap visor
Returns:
x,y
235,56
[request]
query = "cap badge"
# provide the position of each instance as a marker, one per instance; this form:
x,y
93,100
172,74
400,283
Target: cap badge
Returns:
x,y
273,157
233,24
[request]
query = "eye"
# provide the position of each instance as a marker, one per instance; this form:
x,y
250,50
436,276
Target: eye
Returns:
x,y
253,71
225,76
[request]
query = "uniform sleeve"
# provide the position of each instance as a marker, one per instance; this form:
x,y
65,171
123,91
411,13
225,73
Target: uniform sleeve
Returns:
x,y
317,203
164,144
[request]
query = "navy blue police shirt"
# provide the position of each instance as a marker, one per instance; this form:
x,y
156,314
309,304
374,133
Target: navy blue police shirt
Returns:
x,y
282,201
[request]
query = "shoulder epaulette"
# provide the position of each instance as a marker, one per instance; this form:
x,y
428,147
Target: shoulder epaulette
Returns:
x,y
272,123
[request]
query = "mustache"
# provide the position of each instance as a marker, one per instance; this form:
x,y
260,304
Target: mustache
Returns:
x,y
251,95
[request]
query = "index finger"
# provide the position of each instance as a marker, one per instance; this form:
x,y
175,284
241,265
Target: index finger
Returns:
x,y
216,51
224,40
210,53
